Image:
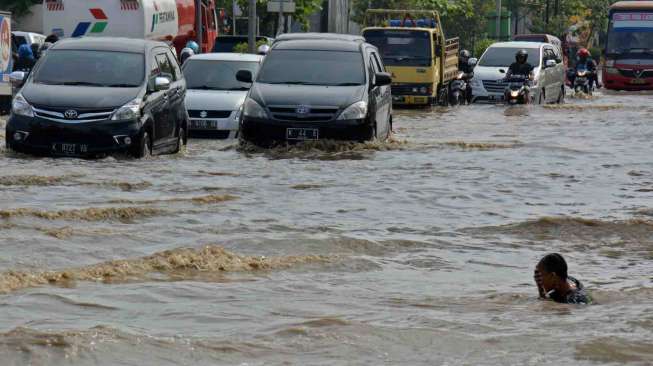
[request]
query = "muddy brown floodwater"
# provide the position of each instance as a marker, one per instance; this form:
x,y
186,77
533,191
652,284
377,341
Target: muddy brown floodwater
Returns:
x,y
418,251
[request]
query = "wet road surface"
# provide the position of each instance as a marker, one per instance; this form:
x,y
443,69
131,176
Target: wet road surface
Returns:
x,y
415,251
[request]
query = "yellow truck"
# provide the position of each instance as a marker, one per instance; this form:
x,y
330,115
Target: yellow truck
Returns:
x,y
415,51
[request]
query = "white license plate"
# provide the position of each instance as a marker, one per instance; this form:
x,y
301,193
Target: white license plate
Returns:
x,y
203,124
302,134
69,149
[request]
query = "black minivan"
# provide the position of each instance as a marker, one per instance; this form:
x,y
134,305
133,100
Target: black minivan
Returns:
x,y
314,88
96,96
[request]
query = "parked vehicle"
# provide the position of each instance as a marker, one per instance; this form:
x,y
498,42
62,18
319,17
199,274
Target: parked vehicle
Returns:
x,y
162,20
413,47
540,38
226,43
6,60
548,85
318,36
95,96
215,98
582,80
28,38
516,90
317,89
629,49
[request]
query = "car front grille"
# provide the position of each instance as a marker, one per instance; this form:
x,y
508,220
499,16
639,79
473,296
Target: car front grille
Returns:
x,y
308,113
72,115
200,113
633,74
495,86
410,89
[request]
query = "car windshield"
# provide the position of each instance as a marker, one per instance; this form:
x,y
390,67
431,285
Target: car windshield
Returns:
x,y
312,68
402,47
91,68
216,75
631,32
505,56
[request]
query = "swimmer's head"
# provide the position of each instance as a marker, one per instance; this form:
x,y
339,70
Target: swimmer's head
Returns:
x,y
553,271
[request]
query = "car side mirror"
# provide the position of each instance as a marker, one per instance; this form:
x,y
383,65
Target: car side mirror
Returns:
x,y
244,76
382,79
161,83
472,62
551,63
17,77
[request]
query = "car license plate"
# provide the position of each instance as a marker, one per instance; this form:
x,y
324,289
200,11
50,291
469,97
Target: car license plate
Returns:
x,y
398,99
203,124
638,81
69,149
302,134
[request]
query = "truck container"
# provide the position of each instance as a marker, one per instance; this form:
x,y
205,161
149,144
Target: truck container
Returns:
x,y
165,20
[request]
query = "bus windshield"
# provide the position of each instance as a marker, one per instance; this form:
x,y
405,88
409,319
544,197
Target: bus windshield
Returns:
x,y
402,47
631,33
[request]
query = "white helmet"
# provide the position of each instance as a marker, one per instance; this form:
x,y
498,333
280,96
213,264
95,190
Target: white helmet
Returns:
x,y
263,49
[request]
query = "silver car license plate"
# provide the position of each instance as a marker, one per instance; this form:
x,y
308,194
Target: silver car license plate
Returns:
x,y
203,124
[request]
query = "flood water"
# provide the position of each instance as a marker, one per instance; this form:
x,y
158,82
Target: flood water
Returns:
x,y
418,251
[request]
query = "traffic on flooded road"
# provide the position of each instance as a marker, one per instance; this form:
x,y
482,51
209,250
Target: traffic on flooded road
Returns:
x,y
382,198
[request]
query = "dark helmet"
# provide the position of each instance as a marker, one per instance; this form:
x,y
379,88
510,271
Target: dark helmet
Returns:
x,y
465,55
521,56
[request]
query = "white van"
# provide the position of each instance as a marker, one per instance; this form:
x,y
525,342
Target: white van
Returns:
x,y
548,85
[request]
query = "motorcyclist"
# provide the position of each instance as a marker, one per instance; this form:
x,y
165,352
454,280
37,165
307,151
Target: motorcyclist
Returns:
x,y
25,58
468,70
185,54
36,50
584,58
522,67
193,46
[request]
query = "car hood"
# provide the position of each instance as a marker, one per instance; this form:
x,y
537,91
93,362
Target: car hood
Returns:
x,y
493,73
82,97
311,95
215,100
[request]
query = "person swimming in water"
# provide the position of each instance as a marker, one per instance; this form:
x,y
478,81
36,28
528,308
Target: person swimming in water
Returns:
x,y
554,283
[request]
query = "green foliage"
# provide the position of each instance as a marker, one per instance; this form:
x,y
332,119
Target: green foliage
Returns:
x,y
244,47
18,8
481,45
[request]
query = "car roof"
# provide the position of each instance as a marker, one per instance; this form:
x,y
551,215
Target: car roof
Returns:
x,y
107,44
319,36
644,5
23,33
228,56
317,45
519,44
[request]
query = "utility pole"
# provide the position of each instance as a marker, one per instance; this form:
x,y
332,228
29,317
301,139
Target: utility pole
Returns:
x,y
234,8
498,25
547,15
198,22
251,25
281,19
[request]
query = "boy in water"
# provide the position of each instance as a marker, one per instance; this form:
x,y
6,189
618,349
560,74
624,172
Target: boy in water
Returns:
x,y
554,283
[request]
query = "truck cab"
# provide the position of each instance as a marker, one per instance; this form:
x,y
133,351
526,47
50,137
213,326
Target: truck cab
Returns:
x,y
413,47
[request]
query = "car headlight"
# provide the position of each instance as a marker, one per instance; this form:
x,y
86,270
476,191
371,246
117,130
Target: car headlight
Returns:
x,y
131,110
20,107
514,93
254,110
357,110
238,113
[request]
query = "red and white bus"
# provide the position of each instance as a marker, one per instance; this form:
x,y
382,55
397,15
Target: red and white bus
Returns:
x,y
629,50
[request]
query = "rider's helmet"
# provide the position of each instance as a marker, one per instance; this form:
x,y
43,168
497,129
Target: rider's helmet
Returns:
x,y
464,56
521,56
185,54
263,49
583,54
193,46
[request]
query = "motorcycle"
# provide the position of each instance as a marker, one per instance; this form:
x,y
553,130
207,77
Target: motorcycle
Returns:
x,y
458,90
582,80
517,90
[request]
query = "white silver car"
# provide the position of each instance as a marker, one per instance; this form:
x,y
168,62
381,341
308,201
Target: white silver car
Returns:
x,y
214,97
548,85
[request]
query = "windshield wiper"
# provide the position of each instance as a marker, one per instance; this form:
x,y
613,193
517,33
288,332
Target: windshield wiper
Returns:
x,y
204,87
80,83
121,85
344,84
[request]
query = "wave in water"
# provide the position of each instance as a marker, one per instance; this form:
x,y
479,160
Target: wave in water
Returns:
x,y
125,214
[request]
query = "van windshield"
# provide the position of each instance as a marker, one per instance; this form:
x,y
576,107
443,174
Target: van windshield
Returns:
x,y
504,56
306,67
91,68
216,75
402,47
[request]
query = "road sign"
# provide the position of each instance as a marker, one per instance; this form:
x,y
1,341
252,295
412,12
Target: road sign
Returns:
x,y
275,7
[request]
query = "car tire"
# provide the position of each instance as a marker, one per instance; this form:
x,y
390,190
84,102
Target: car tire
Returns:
x,y
181,140
144,147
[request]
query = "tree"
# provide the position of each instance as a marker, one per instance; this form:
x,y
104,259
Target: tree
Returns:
x,y
18,8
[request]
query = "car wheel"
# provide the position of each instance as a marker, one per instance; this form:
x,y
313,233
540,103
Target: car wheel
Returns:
x,y
181,140
144,147
561,96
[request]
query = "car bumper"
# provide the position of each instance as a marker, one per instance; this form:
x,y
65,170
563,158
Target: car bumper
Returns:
x,y
412,99
267,131
42,136
618,82
214,127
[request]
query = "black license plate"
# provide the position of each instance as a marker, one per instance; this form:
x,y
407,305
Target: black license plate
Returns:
x,y
302,134
203,124
64,148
